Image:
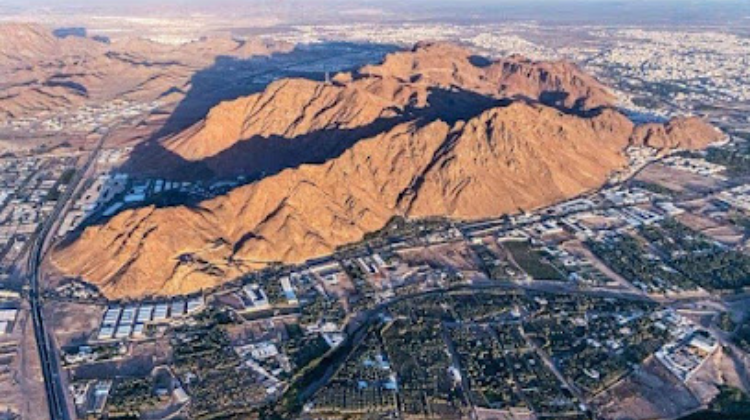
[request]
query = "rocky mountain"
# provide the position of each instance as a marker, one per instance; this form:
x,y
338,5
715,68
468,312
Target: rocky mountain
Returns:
x,y
40,72
430,132
433,80
684,133
557,83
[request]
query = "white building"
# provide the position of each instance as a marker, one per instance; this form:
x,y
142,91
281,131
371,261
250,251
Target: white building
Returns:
x,y
257,297
8,315
288,289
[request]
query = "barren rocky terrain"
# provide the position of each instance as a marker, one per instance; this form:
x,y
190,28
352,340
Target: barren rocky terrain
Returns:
x,y
43,73
434,131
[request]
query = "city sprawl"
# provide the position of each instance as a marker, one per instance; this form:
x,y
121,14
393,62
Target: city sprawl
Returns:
x,y
633,294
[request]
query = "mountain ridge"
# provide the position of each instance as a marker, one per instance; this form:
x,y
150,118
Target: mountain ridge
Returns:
x,y
44,73
406,81
505,154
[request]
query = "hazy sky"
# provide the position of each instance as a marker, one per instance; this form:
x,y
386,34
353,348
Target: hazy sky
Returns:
x,y
295,11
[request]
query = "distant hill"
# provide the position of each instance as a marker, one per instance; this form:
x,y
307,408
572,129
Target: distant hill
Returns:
x,y
41,72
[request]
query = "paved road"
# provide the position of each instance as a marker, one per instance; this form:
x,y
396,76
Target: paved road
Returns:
x,y
54,388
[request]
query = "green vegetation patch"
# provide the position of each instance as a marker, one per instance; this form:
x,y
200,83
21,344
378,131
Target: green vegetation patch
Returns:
x,y
67,176
422,364
730,404
597,340
319,308
698,258
737,161
654,188
740,220
477,306
741,335
303,350
532,261
218,383
630,259
130,397
365,383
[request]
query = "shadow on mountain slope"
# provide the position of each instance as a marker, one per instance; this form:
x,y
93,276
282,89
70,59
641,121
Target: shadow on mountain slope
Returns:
x,y
230,77
258,157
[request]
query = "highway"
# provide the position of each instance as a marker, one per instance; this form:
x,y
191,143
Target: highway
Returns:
x,y
54,388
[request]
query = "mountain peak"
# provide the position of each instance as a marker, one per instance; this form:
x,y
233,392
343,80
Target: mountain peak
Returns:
x,y
423,134
21,42
431,81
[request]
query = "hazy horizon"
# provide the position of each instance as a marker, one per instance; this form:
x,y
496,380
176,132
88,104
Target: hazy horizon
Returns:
x,y
323,11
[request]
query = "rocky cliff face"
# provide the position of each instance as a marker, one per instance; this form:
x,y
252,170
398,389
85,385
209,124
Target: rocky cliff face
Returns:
x,y
682,132
431,81
432,132
557,83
